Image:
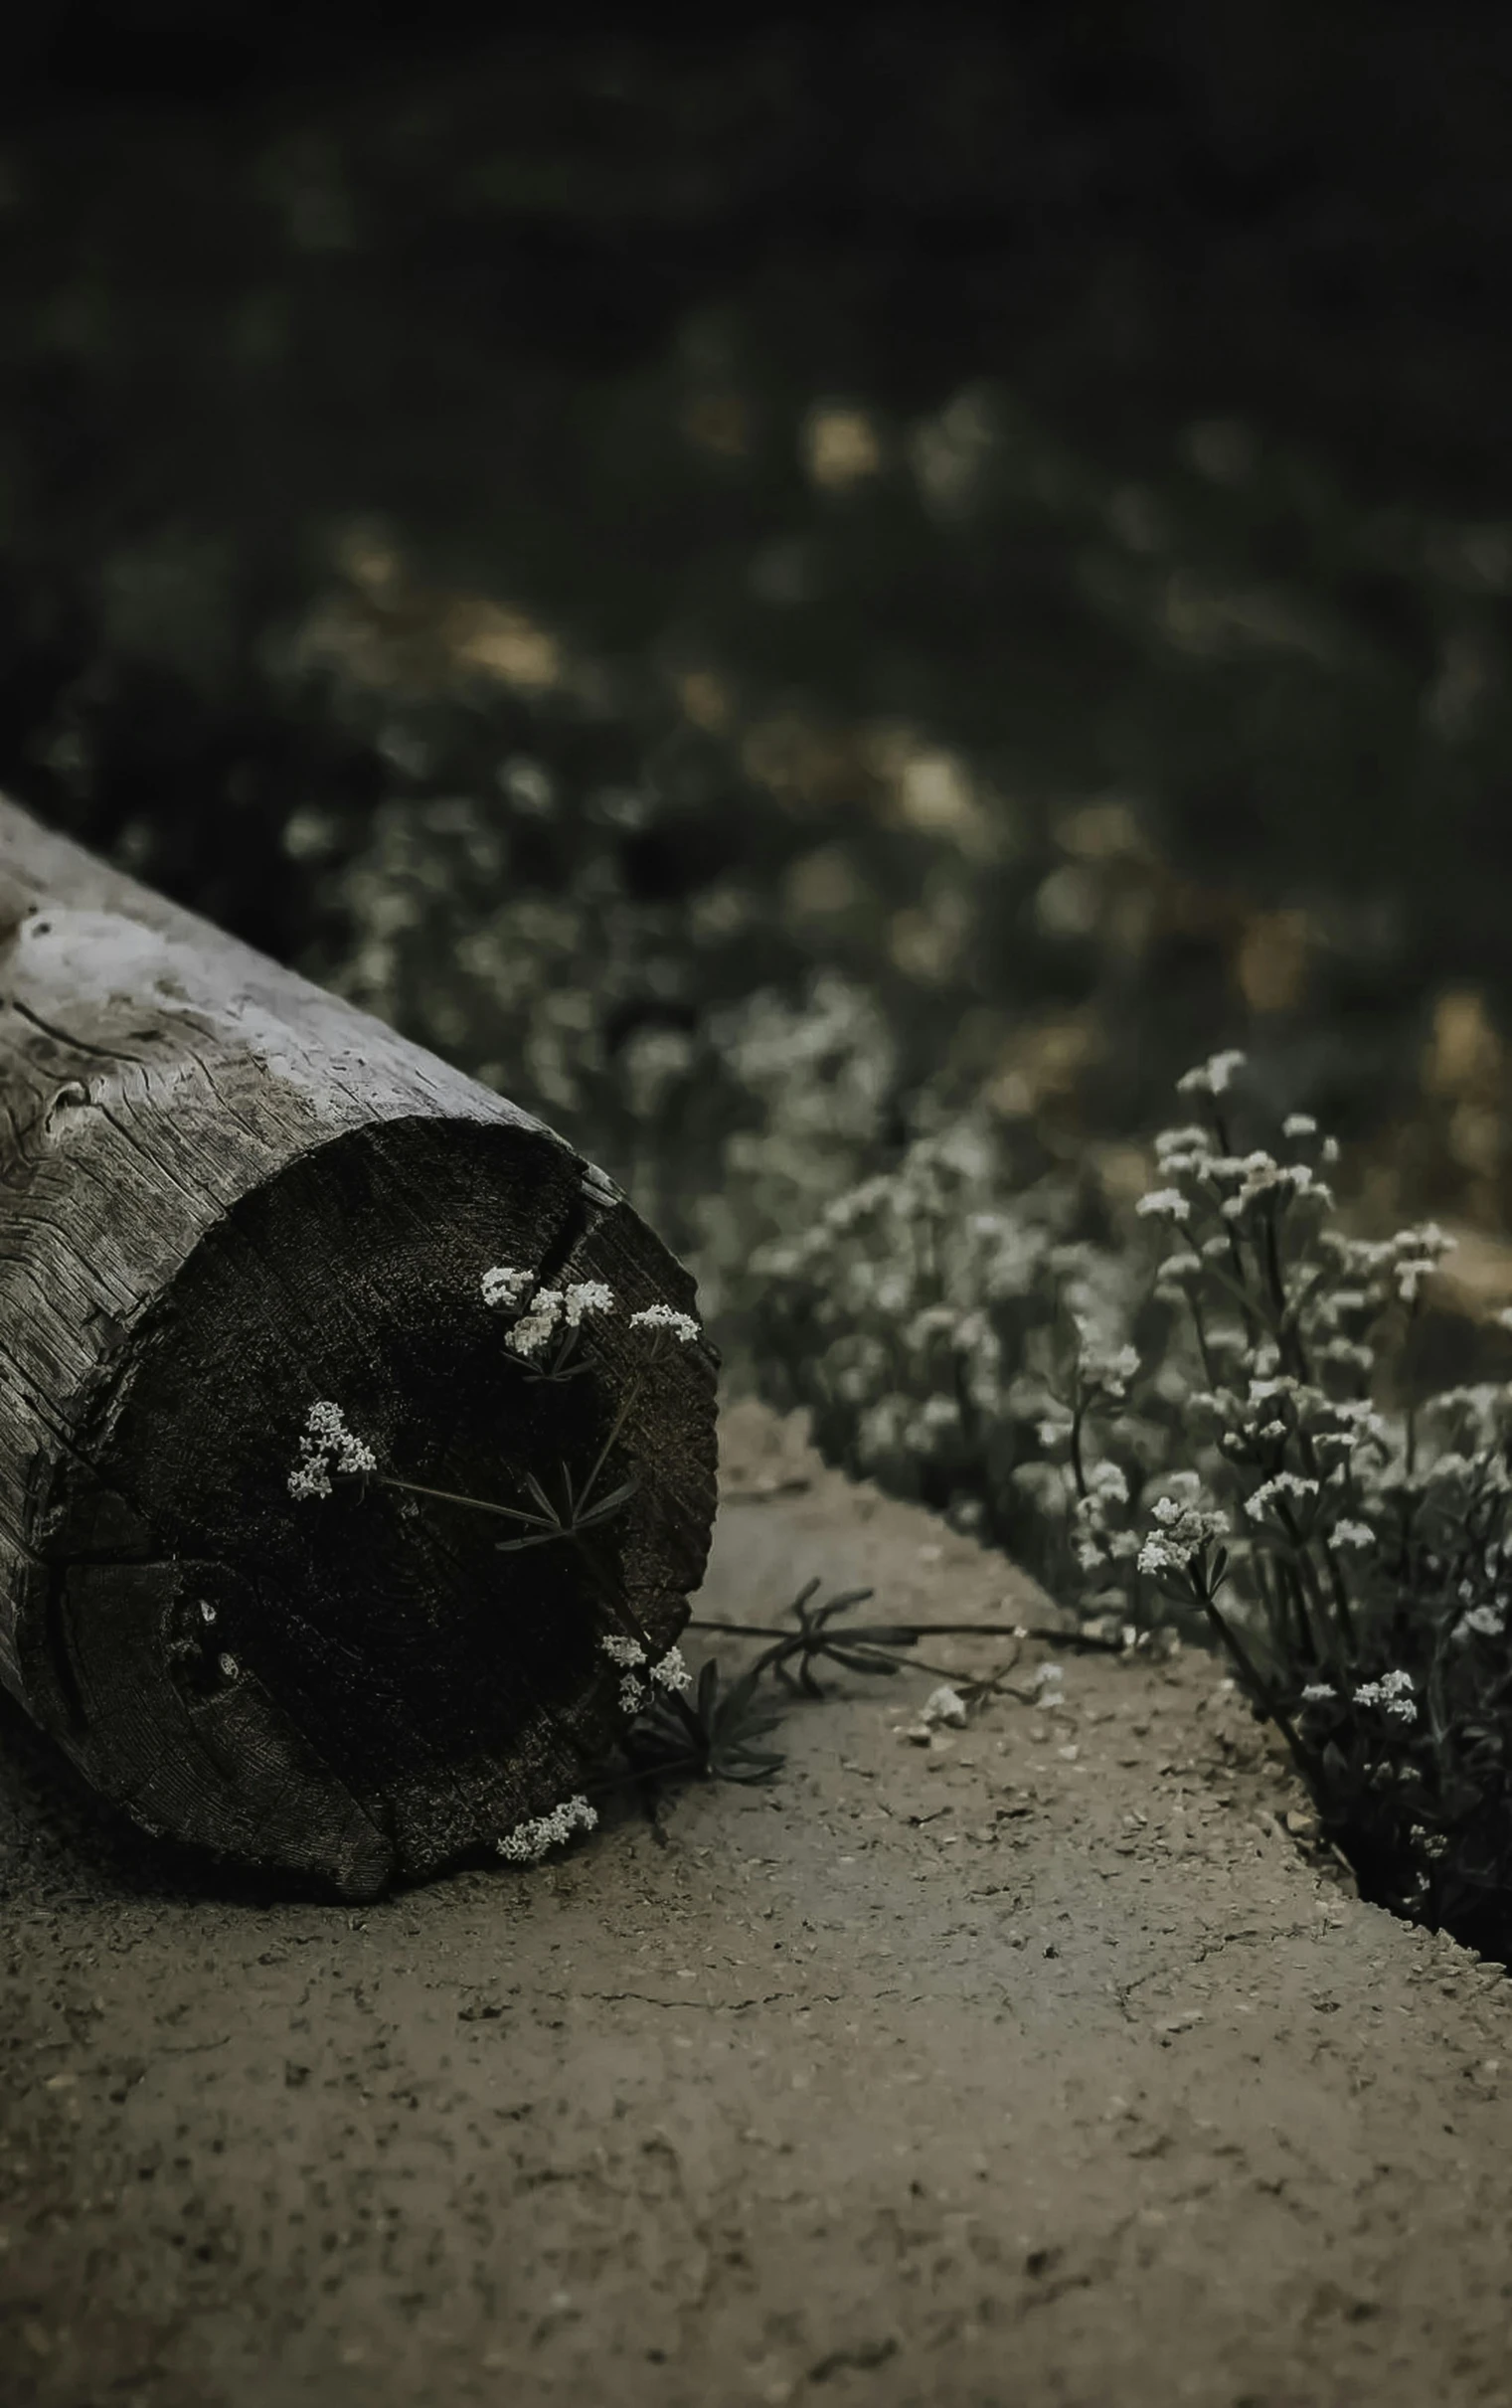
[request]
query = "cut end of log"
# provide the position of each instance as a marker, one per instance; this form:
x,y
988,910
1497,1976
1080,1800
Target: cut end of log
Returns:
x,y
361,1688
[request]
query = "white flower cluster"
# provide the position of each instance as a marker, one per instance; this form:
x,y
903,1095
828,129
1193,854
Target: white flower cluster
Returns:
x,y
1213,1076
1486,1622
1433,1844
1104,1366
1393,1693
1357,1536
670,1671
1389,1266
1093,1542
552,1313
679,1325
1232,1182
1260,1174
1284,1484
1174,1271
1183,1149
327,1446
1185,1529
585,1297
1165,1204
550,1310
528,1842
506,1289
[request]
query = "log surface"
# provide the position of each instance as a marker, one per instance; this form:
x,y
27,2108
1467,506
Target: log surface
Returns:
x,y
225,1195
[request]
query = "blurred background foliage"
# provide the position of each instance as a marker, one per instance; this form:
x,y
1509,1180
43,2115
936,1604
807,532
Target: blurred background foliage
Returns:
x,y
761,590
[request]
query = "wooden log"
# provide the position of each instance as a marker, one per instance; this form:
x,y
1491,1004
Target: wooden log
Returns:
x,y
225,1196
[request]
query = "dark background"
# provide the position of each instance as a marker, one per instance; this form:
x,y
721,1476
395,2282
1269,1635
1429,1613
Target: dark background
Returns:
x,y
329,333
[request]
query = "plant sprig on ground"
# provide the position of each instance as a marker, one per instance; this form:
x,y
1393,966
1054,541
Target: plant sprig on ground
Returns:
x,y
717,1729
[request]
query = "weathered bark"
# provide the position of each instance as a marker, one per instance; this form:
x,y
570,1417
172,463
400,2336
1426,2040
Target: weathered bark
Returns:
x,y
224,1195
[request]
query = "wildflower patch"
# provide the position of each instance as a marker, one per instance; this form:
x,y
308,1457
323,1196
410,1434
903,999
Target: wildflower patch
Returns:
x,y
1202,1419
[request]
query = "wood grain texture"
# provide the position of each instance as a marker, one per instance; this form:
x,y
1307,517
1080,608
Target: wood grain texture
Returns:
x,y
225,1195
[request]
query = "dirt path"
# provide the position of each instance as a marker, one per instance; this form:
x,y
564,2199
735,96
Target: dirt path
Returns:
x,y
1040,2066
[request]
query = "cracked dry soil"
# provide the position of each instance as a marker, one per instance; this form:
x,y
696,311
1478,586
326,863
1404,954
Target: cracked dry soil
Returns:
x,y
1043,2065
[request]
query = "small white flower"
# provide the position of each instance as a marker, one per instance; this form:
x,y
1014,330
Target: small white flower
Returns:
x,y
1261,1167
1156,1556
1317,1692
1487,1622
1393,1693
1108,1368
327,1446
1284,1484
1191,1140
1185,1529
1338,1443
507,1289
622,1649
530,1334
1222,1067
1300,1124
528,1842
1165,1204
1106,1479
1315,1191
670,1672
1210,1078
680,1325
586,1296
1353,1535
1180,1266
632,1694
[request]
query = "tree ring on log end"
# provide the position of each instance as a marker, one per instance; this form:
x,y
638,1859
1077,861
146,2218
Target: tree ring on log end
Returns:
x,y
361,1686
